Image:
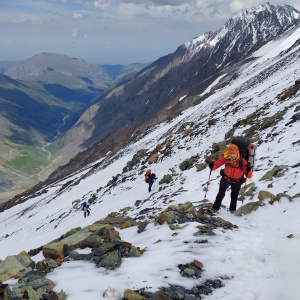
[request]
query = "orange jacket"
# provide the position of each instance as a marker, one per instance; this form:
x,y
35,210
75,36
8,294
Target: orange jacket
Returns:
x,y
232,168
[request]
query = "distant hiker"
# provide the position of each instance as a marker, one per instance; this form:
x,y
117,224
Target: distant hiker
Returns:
x,y
150,178
232,175
86,208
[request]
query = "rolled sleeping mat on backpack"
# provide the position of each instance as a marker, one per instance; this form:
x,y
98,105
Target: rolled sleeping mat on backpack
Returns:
x,y
251,151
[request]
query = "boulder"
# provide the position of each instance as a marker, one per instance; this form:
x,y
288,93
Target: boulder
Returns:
x,y
166,179
36,287
54,250
12,265
59,249
248,208
111,293
200,167
277,171
132,295
264,195
153,158
111,261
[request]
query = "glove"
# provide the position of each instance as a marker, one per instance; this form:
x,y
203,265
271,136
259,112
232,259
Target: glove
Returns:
x,y
249,167
211,165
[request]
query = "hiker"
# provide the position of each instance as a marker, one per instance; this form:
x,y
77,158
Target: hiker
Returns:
x,y
150,178
232,175
86,208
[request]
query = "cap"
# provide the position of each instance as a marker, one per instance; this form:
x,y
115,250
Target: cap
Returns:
x,y
233,149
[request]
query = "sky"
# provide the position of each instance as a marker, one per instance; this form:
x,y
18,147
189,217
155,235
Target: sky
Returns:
x,y
111,31
258,259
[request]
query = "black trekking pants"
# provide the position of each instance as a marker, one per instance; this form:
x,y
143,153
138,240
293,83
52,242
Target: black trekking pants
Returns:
x,y
235,189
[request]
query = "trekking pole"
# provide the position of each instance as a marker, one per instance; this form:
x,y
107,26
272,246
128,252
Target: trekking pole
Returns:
x,y
207,183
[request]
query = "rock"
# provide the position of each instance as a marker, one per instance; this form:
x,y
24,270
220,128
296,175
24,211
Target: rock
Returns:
x,y
248,208
198,264
34,252
116,221
296,196
187,132
200,167
189,272
26,292
160,295
153,158
132,295
166,179
183,166
166,216
12,265
264,195
188,163
134,252
135,160
212,122
54,250
34,287
111,293
142,226
5,291
283,195
277,171
46,265
111,261
71,232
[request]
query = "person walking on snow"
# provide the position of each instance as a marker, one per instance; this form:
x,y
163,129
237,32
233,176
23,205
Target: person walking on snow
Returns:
x,y
150,178
86,208
232,175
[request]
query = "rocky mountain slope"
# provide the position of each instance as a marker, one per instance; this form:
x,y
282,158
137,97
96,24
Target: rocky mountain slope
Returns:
x,y
168,243
174,83
42,98
30,118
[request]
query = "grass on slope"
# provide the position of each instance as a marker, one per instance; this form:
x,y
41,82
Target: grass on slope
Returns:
x,y
30,160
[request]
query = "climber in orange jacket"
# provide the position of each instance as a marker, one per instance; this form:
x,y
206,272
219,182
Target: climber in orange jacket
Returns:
x,y
232,175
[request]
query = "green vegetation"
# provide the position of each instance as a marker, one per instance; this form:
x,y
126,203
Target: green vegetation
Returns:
x,y
53,147
30,160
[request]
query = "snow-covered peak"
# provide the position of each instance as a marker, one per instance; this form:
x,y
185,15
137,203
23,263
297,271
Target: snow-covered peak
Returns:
x,y
281,13
247,28
202,39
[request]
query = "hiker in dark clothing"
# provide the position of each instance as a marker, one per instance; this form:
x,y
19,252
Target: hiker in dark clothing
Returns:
x,y
150,178
232,175
86,208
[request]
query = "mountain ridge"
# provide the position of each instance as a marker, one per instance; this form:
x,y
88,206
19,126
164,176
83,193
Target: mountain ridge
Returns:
x,y
169,243
160,85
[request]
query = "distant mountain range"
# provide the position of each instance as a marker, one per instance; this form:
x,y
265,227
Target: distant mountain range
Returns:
x,y
157,93
177,81
40,98
169,243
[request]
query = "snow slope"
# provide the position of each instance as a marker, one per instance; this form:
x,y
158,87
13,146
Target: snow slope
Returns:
x,y
258,259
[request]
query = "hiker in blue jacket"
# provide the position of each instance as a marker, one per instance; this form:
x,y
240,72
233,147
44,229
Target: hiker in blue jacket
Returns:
x,y
86,208
152,179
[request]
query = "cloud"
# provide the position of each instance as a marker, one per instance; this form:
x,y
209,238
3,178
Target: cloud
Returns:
x,y
76,15
96,25
75,32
